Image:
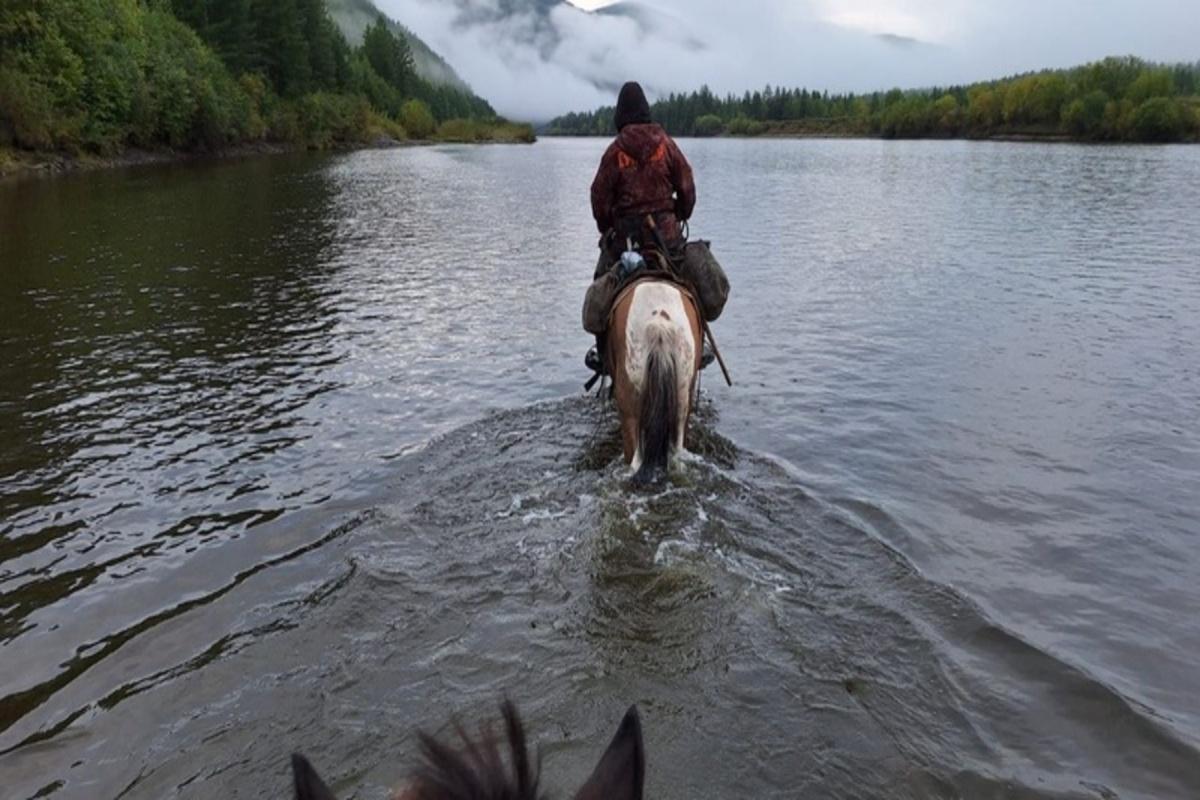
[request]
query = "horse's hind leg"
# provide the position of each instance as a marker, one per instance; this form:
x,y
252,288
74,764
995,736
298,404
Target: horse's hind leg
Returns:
x,y
686,396
629,437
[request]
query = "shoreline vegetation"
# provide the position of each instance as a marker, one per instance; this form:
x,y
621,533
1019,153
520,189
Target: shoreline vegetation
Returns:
x,y
87,83
15,164
1117,99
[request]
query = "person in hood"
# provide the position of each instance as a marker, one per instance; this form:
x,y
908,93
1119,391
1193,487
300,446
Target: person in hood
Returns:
x,y
643,172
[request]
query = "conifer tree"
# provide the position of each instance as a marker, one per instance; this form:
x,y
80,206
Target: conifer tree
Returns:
x,y
389,55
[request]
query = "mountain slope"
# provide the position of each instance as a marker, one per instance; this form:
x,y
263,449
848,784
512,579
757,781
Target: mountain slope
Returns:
x,y
353,17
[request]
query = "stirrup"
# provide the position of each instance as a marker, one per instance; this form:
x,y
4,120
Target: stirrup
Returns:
x,y
707,356
593,361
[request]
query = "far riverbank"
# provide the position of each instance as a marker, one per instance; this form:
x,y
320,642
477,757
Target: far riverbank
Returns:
x,y
854,129
16,164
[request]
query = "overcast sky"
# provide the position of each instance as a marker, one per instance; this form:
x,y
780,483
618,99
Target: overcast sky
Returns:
x,y
536,64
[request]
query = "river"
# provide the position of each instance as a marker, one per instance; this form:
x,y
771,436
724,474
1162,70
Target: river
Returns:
x,y
294,455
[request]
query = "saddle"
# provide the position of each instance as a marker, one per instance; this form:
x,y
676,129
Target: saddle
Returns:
x,y
649,276
659,266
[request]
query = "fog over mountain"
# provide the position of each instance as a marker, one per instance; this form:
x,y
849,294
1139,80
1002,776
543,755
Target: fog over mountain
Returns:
x,y
352,18
534,59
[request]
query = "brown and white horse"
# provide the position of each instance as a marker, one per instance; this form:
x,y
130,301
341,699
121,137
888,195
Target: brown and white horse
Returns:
x,y
654,350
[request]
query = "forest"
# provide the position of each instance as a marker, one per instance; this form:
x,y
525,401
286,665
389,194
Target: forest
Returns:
x,y
1117,99
100,76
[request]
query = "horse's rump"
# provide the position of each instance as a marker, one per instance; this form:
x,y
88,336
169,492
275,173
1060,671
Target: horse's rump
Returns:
x,y
654,349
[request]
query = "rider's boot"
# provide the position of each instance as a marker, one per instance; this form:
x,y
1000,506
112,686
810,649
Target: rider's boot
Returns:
x,y
594,360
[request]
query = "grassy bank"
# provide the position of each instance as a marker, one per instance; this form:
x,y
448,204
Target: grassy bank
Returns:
x,y
15,162
467,131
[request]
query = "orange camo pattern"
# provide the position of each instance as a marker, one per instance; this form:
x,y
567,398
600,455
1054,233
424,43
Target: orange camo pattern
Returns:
x,y
643,172
626,161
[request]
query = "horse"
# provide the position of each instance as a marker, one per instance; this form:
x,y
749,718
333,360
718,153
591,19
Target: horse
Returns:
x,y
476,770
654,351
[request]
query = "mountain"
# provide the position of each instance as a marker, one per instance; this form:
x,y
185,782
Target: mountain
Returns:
x,y
353,16
535,59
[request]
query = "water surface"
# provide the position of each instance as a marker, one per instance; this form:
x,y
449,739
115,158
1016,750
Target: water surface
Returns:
x,y
294,455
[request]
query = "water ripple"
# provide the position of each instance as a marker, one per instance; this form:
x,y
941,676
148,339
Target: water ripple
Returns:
x,y
948,560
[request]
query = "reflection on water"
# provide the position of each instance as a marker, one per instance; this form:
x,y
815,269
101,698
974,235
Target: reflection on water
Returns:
x,y
163,353
285,464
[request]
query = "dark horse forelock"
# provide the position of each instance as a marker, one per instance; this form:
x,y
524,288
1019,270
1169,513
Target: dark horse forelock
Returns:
x,y
479,770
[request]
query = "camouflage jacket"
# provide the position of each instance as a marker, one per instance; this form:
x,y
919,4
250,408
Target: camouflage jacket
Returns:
x,y
643,172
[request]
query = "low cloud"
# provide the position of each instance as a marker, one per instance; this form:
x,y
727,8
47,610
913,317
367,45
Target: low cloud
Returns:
x,y
535,59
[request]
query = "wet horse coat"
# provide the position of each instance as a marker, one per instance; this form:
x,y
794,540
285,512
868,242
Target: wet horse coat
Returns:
x,y
654,352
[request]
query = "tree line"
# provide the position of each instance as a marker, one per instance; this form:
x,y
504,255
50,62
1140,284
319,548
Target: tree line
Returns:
x,y
1123,99
98,76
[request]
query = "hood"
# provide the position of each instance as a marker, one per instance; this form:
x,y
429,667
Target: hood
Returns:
x,y
632,107
641,140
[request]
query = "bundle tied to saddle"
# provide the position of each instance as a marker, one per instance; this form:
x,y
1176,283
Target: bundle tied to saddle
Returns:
x,y
693,264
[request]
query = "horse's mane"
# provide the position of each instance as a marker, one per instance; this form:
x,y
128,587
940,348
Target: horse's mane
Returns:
x,y
476,769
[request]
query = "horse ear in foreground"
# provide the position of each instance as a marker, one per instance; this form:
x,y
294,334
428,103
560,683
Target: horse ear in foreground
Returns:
x,y
309,785
477,770
622,769
654,349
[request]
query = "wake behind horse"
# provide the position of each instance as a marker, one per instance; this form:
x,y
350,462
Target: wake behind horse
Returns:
x,y
654,349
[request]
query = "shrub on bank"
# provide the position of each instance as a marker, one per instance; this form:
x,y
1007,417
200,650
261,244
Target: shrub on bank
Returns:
x,y
1083,117
461,130
1118,120
512,132
1159,119
386,128
27,116
417,119
330,120
744,126
472,130
708,125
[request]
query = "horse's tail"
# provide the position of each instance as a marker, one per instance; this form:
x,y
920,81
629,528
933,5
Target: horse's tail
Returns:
x,y
658,420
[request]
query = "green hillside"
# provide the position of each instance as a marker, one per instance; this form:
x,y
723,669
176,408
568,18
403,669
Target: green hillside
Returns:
x,y
354,16
100,76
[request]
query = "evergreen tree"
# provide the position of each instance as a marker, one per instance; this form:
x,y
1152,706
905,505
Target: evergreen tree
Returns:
x,y
282,52
389,55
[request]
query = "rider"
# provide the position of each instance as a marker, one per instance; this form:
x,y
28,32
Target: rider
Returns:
x,y
642,173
